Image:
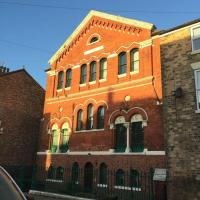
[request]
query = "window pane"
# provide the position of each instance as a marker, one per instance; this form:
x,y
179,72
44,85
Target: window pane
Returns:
x,y
93,71
134,60
79,120
198,79
122,63
68,77
100,117
83,74
103,68
90,117
196,32
196,44
60,80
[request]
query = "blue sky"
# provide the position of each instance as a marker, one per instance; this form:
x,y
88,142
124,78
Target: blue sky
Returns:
x,y
32,30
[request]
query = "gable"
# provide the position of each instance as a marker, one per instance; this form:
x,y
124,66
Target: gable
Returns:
x,y
103,20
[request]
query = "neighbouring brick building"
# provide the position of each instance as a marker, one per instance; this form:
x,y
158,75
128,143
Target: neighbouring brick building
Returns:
x,y
180,60
103,105
21,108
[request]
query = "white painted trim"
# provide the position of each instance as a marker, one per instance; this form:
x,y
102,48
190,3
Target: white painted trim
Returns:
x,y
121,75
93,50
102,185
54,195
102,80
195,52
92,82
59,90
191,32
134,72
82,84
195,66
146,43
197,111
127,188
52,73
67,88
110,152
112,55
76,66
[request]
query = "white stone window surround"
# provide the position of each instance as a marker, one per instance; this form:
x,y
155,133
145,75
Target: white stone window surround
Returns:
x,y
128,188
194,51
196,68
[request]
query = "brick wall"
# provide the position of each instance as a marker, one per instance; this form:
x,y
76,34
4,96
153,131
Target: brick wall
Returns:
x,y
21,100
181,122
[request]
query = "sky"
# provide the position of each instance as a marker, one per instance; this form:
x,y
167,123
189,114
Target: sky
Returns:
x,y
31,31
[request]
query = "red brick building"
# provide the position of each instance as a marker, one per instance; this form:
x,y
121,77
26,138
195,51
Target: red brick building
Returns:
x,y
21,106
103,105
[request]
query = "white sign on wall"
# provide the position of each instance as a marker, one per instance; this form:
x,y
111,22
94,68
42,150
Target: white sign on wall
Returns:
x,y
160,174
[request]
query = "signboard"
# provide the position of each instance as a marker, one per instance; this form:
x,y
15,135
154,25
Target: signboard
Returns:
x,y
160,174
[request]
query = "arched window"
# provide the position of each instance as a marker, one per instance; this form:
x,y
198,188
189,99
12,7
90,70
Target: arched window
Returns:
x,y
103,174
134,56
60,80
90,117
134,178
100,117
79,120
92,71
68,78
137,133
122,63
103,68
65,137
51,172
94,39
120,134
120,178
83,77
55,138
59,173
75,173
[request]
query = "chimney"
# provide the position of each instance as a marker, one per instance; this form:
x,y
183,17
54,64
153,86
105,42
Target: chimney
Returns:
x,y
3,70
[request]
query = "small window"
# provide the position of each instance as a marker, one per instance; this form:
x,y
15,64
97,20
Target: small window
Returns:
x,y
92,71
196,38
90,117
94,39
59,173
134,178
75,173
83,77
197,85
122,63
68,78
51,172
103,68
120,178
79,120
103,174
60,80
100,117
134,56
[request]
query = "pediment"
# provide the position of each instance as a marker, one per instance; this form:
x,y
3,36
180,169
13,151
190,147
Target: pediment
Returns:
x,y
103,20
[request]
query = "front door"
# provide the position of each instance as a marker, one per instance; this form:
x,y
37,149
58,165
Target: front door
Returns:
x,y
88,177
120,138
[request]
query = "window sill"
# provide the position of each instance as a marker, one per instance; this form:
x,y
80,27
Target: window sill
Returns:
x,y
91,130
92,82
54,180
83,84
67,88
59,90
121,75
197,111
102,185
195,52
102,80
134,72
127,188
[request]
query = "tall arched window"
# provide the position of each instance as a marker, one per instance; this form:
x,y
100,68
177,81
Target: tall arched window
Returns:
x,y
134,178
92,71
134,56
90,117
75,173
59,173
103,68
83,77
122,63
103,174
65,137
120,134
100,117
137,132
79,120
68,78
60,80
55,138
120,178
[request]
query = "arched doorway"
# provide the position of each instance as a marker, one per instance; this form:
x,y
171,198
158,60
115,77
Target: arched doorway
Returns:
x,y
88,177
